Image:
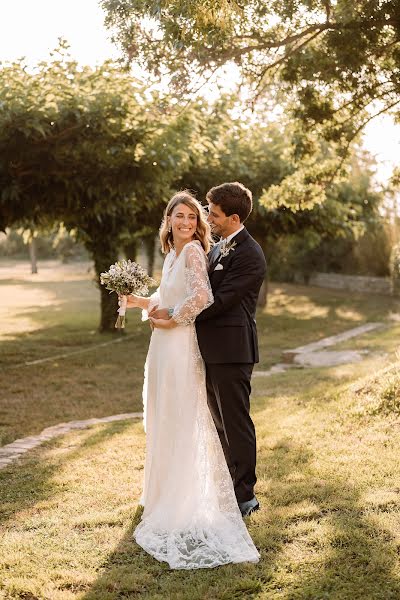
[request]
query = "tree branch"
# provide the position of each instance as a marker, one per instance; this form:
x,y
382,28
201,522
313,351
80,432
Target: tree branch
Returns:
x,y
359,110
327,10
357,96
315,27
355,134
282,59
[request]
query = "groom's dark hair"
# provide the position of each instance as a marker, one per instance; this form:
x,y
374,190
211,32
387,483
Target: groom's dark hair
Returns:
x,y
232,198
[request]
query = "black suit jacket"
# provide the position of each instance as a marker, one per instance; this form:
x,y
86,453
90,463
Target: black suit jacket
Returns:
x,y
226,331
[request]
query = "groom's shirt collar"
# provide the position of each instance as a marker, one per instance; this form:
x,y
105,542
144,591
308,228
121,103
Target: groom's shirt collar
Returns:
x,y
228,239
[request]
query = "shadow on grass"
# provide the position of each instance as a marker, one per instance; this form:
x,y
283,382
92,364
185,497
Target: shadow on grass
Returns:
x,y
307,302
58,333
330,550
343,555
129,573
297,315
29,482
98,382
53,314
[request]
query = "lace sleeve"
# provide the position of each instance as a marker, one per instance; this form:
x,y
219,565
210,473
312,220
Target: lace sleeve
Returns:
x,y
198,290
154,301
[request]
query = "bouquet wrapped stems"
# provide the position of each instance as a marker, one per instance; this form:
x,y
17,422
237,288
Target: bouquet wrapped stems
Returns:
x,y
126,277
120,322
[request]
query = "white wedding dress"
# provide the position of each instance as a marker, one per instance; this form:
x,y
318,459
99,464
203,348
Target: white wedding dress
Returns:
x,y
191,518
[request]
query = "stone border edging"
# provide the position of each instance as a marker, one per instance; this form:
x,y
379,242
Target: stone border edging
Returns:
x,y
11,452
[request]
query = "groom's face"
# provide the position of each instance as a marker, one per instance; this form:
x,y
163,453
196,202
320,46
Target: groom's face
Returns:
x,y
221,225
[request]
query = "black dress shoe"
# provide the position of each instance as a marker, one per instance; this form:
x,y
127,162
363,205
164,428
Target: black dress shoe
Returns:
x,y
246,508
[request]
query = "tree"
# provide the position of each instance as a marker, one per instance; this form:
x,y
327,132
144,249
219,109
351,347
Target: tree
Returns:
x,y
351,50
337,63
345,234
84,147
68,137
237,146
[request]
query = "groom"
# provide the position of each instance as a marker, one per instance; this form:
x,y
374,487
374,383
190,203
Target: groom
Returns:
x,y
227,335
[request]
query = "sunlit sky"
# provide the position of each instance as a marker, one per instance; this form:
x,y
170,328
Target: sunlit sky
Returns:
x,y
31,28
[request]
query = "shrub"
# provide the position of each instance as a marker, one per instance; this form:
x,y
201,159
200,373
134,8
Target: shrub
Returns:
x,y
380,394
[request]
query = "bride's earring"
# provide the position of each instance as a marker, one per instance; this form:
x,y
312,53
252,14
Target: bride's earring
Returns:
x,y
169,228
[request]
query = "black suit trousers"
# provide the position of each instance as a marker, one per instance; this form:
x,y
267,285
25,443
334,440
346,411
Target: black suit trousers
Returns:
x,y
228,396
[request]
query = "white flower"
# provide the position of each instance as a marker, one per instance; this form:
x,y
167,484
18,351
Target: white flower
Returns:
x,y
126,277
226,247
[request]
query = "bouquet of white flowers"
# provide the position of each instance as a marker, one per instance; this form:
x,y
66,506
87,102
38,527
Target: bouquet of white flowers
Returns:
x,y
126,277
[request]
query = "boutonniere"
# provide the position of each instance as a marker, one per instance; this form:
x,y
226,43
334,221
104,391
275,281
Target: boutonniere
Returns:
x,y
226,247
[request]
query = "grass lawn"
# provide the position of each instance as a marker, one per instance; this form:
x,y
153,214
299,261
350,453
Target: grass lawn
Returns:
x,y
328,455
52,313
56,312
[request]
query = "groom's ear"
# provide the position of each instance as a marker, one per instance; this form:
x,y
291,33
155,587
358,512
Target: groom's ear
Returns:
x,y
235,219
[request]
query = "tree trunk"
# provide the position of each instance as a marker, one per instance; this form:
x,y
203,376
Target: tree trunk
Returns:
x,y
130,250
33,255
263,293
104,256
150,247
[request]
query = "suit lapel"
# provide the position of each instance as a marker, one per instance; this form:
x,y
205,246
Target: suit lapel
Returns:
x,y
215,258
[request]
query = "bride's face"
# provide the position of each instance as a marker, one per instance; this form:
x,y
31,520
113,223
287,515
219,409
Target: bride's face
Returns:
x,y
183,221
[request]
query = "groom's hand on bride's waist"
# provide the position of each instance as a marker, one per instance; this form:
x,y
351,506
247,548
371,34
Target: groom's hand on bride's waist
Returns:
x,y
163,323
160,313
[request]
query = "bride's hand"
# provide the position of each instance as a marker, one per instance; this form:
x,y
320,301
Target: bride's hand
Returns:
x,y
133,301
163,323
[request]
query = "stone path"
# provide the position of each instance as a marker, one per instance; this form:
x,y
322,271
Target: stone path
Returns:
x,y
315,355
11,452
335,339
312,355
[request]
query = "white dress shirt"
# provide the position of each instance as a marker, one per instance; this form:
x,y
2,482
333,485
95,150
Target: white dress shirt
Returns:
x,y
228,239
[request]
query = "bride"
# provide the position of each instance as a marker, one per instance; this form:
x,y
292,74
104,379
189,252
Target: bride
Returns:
x,y
191,518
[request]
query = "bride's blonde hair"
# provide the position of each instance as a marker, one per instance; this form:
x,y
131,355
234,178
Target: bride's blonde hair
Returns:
x,y
203,231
